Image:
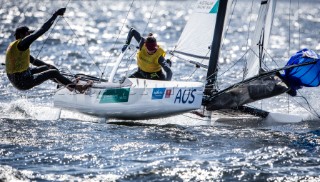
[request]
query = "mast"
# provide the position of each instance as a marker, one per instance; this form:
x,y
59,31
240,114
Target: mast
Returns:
x,y
261,52
260,38
215,47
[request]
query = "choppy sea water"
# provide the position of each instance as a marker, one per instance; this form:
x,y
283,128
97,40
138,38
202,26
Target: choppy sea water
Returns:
x,y
38,145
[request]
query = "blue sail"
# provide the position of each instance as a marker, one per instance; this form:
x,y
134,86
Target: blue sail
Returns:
x,y
308,76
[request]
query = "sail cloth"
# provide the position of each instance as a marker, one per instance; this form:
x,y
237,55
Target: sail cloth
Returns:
x,y
309,75
261,37
196,38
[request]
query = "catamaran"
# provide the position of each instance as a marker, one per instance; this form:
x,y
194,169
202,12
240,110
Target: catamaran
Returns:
x,y
135,98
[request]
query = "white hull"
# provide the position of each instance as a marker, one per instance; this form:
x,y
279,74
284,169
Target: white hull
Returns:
x,y
134,99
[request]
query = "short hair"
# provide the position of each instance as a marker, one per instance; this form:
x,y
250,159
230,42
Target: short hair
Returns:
x,y
21,30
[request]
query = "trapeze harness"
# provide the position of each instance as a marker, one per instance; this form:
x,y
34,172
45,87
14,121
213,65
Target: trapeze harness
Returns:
x,y
148,66
17,66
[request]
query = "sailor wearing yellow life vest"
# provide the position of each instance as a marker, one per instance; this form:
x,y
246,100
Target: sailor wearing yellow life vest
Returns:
x,y
150,58
18,59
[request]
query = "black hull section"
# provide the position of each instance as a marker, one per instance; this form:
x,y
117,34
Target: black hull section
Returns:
x,y
246,92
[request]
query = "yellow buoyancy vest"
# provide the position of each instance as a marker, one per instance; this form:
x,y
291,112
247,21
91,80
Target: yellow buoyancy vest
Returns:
x,y
17,61
149,62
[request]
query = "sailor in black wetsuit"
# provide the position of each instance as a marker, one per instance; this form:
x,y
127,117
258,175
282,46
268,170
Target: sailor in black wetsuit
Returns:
x,y
150,58
18,59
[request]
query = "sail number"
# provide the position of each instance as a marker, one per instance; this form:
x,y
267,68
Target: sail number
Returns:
x,y
185,96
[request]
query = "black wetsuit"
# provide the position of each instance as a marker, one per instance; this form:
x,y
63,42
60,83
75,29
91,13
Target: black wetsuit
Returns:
x,y
142,74
43,71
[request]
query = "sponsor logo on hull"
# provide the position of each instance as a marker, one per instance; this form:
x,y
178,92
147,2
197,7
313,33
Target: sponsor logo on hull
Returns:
x,y
185,96
115,95
158,93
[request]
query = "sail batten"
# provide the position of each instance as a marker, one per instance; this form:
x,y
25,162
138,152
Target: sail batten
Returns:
x,y
192,55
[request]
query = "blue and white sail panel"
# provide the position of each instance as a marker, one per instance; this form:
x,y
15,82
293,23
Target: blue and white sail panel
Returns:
x,y
308,75
260,37
196,38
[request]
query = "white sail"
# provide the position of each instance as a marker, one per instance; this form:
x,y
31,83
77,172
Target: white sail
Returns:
x,y
261,36
196,38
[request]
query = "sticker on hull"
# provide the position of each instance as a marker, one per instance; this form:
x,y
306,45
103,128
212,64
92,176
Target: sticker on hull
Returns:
x,y
115,95
185,96
168,93
158,93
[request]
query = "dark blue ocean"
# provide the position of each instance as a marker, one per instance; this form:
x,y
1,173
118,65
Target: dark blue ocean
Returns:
x,y
39,142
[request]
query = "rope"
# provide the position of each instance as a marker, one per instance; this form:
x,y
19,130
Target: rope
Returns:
x,y
227,28
129,63
55,23
245,72
114,45
272,58
2,4
222,45
150,16
234,63
289,29
58,18
197,67
92,59
143,33
299,26
249,23
311,109
288,102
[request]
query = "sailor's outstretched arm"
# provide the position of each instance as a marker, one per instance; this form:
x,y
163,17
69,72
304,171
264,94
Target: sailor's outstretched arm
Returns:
x,y
134,33
27,41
